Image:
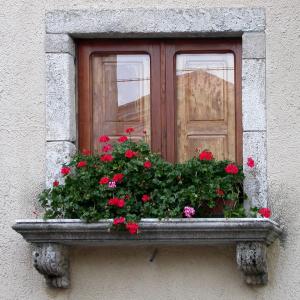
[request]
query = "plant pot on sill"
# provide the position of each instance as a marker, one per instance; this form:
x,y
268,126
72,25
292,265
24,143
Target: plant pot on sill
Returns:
x,y
218,210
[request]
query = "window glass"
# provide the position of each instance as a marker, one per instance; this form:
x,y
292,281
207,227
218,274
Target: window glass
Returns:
x,y
205,104
121,95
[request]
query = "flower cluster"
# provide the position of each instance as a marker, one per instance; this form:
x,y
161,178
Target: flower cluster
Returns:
x,y
116,202
188,212
125,181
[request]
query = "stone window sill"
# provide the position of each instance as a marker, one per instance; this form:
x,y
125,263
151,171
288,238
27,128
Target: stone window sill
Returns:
x,y
52,238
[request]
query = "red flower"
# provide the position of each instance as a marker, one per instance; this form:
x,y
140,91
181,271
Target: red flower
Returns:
x,y
147,164
129,130
145,198
107,148
130,154
65,170
81,164
116,202
118,221
265,212
122,139
126,197
132,228
220,192
86,152
206,155
103,139
104,180
231,169
106,157
121,203
55,183
118,177
250,162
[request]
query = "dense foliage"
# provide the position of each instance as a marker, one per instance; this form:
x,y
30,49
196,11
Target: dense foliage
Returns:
x,y
127,182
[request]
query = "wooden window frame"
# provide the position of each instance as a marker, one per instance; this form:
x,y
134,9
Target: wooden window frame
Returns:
x,y
163,93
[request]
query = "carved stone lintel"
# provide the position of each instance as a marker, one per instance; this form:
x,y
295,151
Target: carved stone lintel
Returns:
x,y
51,260
252,261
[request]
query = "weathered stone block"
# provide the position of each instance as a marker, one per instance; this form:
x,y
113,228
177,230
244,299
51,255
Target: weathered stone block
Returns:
x,y
60,97
57,153
162,22
59,43
255,184
254,95
254,45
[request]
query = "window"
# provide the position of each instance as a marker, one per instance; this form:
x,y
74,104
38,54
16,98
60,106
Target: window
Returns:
x,y
184,93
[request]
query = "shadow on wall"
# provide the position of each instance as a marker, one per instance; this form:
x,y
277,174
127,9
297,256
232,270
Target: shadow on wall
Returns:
x,y
174,273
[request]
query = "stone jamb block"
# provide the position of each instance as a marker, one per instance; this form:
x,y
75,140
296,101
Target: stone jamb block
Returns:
x,y
60,97
59,43
57,153
254,94
254,45
255,183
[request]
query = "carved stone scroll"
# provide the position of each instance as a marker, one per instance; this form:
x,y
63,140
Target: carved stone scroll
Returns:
x,y
252,261
51,260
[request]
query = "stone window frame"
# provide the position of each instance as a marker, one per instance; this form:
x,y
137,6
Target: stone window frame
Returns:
x,y
63,26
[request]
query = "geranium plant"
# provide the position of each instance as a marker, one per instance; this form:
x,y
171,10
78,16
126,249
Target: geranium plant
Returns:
x,y
125,182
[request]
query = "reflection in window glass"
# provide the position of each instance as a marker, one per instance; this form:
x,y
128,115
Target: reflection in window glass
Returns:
x,y
121,95
205,104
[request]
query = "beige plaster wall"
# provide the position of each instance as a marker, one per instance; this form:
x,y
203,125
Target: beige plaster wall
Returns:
x,y
176,273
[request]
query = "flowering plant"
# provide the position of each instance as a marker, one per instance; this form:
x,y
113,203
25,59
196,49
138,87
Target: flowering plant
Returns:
x,y
127,182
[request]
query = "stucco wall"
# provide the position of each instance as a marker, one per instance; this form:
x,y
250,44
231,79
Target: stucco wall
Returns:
x,y
176,273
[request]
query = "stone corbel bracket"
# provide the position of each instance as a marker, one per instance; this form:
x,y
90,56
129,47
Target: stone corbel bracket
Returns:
x,y
252,261
52,238
52,261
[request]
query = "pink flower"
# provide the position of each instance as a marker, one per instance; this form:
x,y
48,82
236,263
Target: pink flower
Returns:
x,y
122,139
65,170
132,227
147,164
188,211
265,212
130,154
118,221
145,198
81,164
104,139
250,162
231,169
107,148
206,155
112,184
